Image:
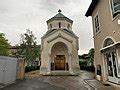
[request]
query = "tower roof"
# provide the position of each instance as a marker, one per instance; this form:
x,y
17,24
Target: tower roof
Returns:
x,y
60,16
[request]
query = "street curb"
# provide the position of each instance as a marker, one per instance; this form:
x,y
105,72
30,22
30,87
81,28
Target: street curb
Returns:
x,y
98,87
85,80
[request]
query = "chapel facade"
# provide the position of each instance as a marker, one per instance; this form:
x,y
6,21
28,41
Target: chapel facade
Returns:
x,y
59,47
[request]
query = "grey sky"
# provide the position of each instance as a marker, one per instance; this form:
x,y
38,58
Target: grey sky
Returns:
x,y
18,15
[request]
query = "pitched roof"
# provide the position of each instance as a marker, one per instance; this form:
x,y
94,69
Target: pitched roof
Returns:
x,y
60,16
91,8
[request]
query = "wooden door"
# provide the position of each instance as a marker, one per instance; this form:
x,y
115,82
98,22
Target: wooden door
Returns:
x,y
60,62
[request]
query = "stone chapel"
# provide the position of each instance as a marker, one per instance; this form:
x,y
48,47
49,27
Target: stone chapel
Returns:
x,y
59,47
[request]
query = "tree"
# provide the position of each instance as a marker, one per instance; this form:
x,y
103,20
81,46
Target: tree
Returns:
x,y
4,45
82,59
91,57
29,49
87,59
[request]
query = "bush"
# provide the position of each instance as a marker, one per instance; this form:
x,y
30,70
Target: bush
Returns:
x,y
88,68
82,63
31,68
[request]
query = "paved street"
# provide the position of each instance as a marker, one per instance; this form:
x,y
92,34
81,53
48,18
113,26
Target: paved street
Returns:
x,y
35,82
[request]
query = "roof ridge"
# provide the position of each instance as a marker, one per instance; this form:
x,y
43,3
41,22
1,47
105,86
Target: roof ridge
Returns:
x,y
59,16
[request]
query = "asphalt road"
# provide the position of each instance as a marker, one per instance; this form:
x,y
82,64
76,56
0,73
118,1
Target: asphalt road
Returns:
x,y
36,82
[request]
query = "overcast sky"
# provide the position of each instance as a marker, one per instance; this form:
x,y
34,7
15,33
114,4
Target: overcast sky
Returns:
x,y
18,15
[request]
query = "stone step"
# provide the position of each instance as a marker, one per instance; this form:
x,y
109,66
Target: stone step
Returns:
x,y
61,73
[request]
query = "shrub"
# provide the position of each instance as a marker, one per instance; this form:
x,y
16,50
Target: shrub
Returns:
x,y
88,68
82,63
31,68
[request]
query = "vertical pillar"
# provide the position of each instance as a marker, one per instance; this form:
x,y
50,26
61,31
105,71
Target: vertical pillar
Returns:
x,y
49,63
54,62
104,63
70,63
118,60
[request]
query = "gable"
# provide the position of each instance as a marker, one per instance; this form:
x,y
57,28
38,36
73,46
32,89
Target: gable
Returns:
x,y
50,32
59,36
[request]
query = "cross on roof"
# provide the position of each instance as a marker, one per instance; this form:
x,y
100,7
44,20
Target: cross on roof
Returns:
x,y
59,11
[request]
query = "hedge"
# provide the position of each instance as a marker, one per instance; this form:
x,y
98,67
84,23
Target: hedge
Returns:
x,y
31,68
88,68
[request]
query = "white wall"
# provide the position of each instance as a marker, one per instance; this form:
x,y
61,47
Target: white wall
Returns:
x,y
64,25
8,69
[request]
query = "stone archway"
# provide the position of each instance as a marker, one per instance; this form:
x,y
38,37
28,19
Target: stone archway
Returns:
x,y
110,57
59,56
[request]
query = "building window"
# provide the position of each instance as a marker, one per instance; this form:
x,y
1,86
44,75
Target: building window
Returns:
x,y
98,69
68,26
97,24
50,26
115,7
59,25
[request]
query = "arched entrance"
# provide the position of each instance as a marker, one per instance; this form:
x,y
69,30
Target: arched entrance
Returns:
x,y
110,57
59,57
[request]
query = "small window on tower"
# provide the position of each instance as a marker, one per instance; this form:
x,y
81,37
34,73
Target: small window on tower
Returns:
x,y
68,26
50,26
59,25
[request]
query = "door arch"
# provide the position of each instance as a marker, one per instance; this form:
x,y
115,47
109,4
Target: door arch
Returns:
x,y
59,56
110,58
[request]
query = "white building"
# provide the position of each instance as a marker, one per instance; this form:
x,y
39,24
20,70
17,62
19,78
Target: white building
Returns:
x,y
59,47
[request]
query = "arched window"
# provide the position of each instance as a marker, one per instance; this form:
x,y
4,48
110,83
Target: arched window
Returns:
x,y
59,25
108,42
50,26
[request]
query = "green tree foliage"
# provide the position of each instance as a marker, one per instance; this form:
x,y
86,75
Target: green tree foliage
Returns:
x,y
29,49
91,57
82,59
87,59
83,56
4,45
